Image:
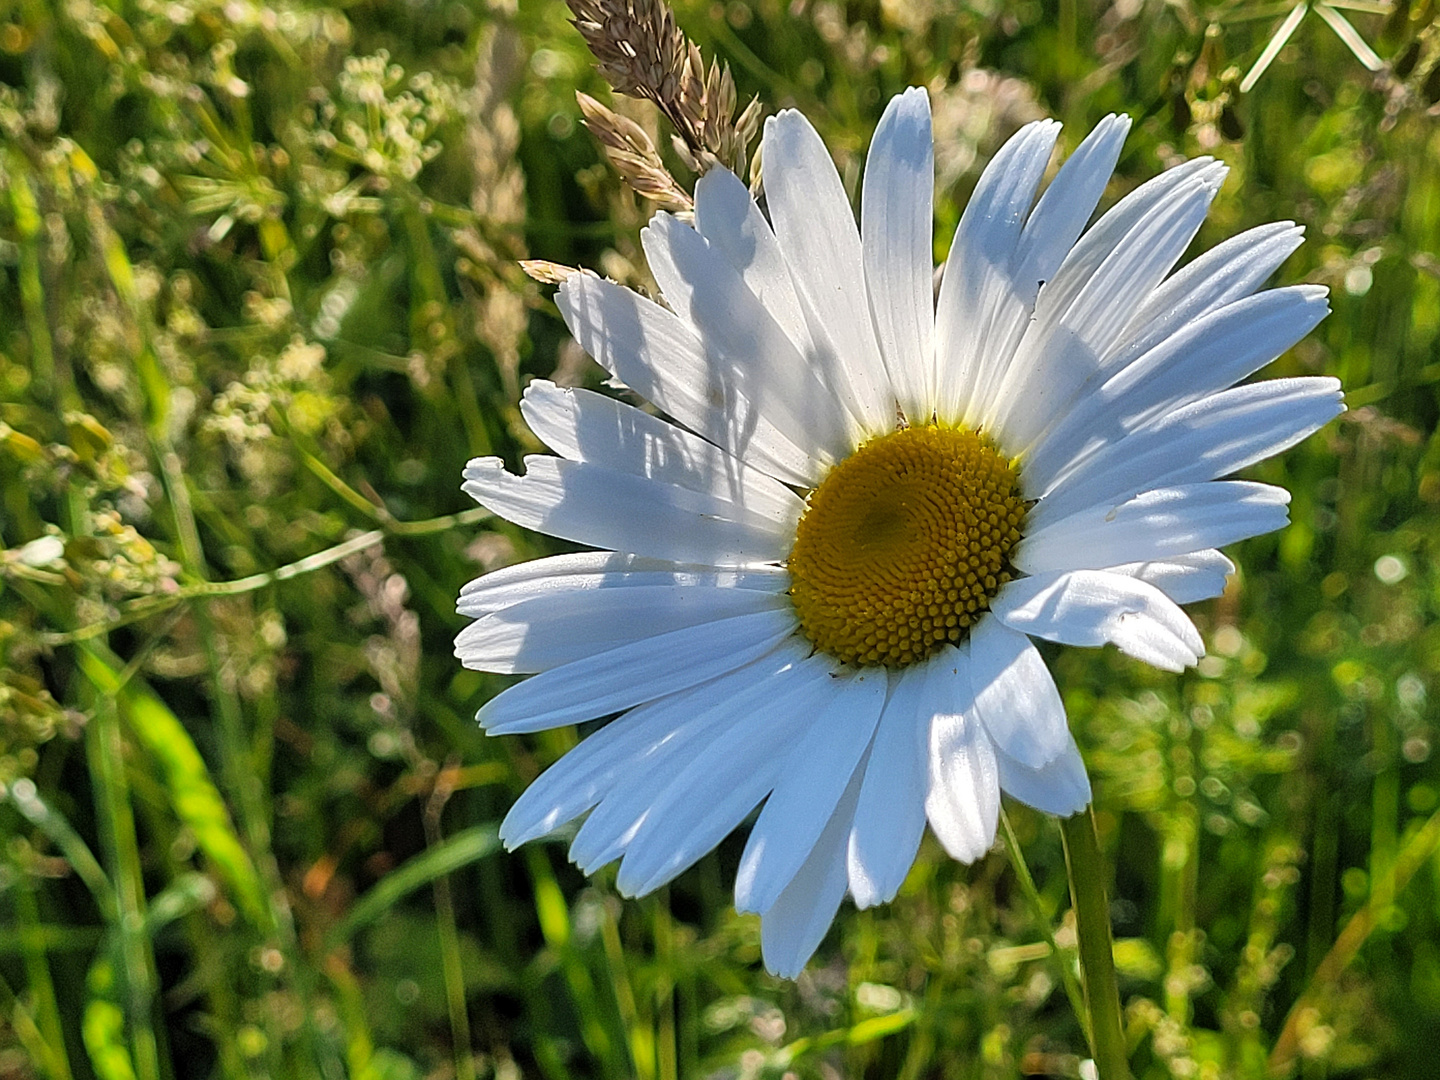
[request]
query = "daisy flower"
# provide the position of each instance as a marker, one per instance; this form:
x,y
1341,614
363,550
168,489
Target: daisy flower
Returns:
x,y
818,573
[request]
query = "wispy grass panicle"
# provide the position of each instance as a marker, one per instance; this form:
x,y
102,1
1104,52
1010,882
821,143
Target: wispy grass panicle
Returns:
x,y
633,155
643,53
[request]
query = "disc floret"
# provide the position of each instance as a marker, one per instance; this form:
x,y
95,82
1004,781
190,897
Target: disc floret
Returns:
x,y
903,545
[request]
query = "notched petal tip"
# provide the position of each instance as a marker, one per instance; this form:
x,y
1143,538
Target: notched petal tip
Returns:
x,y
482,468
511,836
786,116
481,475
914,101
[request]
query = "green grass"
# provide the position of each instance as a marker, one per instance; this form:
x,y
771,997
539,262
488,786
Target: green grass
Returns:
x,y
249,334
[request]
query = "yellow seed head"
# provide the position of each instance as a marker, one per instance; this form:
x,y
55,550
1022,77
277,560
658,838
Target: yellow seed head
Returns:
x,y
903,544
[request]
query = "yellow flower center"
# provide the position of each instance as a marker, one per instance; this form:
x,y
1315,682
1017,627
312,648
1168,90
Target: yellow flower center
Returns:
x,y
903,545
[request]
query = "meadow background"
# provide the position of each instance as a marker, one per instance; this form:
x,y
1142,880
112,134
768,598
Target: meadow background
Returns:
x,y
260,300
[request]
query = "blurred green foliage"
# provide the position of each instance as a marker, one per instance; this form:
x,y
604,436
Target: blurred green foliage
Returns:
x,y
260,299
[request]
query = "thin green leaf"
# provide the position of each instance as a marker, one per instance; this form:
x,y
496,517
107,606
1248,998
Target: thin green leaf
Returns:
x,y
463,848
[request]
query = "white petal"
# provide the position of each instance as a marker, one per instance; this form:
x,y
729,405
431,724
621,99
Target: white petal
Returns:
x,y
1230,271
706,717
1102,238
1061,787
1213,437
1015,695
583,570
1203,357
1067,344
726,215
1198,575
792,929
1049,234
632,674
978,283
962,795
585,426
814,775
660,357
1091,607
1065,207
817,233
643,740
898,224
890,814
742,338
605,508
560,628
1084,259
709,796
1154,525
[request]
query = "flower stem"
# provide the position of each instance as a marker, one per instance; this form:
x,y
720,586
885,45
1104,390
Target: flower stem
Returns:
x,y
1097,962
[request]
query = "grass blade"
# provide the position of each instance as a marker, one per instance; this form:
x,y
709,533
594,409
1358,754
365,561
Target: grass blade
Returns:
x,y
459,850
1272,48
1347,33
193,794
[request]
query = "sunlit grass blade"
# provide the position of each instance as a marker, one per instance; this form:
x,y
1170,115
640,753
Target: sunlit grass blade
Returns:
x,y
640,1035
1350,36
32,295
1366,7
1420,849
103,1026
1272,48
557,929
105,754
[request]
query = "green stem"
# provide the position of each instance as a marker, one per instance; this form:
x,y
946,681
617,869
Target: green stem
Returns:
x,y
667,1061
640,1034
1097,960
28,223
106,753
145,606
42,988
1062,960
31,1039
451,968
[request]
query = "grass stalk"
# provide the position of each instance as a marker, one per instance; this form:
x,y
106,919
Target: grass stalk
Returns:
x,y
640,1038
50,1060
451,970
667,1064
1061,959
32,293
1417,852
45,1006
105,750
